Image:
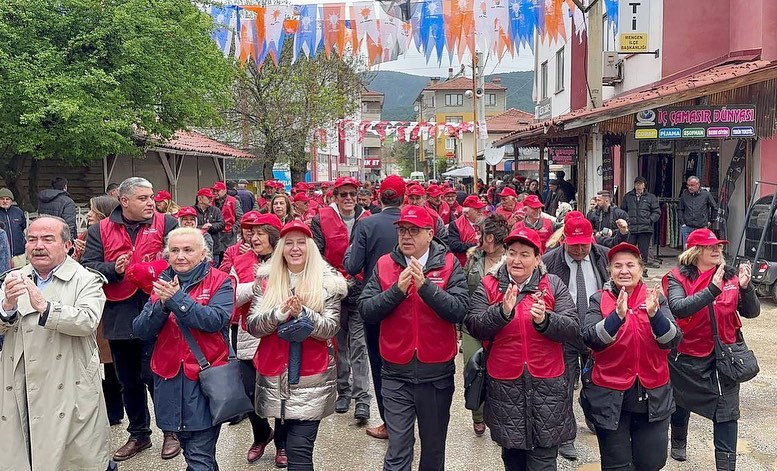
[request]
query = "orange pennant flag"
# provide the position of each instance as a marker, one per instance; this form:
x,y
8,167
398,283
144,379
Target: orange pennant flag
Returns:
x,y
333,22
554,20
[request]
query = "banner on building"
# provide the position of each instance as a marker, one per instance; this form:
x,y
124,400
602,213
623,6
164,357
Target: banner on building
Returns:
x,y
696,122
566,155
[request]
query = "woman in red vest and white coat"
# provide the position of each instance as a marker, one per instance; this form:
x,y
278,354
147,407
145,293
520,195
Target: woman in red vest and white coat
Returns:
x,y
296,313
243,244
702,280
191,294
627,394
526,314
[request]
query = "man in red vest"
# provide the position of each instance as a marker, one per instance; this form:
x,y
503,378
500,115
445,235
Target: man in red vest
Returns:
x,y
133,233
302,203
435,202
332,229
508,205
418,293
232,213
449,196
463,233
416,196
534,219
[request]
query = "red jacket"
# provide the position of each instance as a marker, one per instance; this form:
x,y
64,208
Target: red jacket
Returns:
x,y
697,331
443,210
544,232
518,345
232,252
228,211
245,269
456,210
413,327
148,247
635,352
467,235
336,236
171,352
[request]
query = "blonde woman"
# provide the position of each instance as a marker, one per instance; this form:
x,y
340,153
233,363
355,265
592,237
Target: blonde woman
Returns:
x,y
296,313
164,203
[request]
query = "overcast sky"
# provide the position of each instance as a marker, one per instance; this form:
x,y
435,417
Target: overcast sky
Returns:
x,y
415,63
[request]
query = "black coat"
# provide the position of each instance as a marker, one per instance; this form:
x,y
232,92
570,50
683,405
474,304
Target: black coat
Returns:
x,y
643,212
696,209
212,215
59,203
14,222
602,220
371,239
697,386
527,412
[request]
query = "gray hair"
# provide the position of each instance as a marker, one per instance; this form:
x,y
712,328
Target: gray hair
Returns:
x,y
364,192
192,231
127,187
64,231
693,178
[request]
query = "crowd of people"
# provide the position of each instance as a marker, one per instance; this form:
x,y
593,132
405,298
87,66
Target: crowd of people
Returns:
x,y
327,295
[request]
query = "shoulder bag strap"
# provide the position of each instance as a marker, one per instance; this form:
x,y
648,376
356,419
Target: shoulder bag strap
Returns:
x,y
197,351
713,321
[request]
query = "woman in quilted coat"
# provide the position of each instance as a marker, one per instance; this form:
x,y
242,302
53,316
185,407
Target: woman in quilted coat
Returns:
x,y
526,315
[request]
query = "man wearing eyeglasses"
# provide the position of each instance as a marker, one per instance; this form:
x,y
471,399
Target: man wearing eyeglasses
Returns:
x,y
417,294
332,231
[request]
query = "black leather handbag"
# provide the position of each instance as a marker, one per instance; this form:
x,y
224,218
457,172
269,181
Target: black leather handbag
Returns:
x,y
475,379
734,361
222,385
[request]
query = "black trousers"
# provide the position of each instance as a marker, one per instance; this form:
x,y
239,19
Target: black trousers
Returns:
x,y
112,392
260,426
431,404
635,445
724,434
642,241
538,459
372,338
132,360
300,439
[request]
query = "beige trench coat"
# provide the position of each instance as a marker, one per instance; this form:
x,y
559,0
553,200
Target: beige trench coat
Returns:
x,y
51,399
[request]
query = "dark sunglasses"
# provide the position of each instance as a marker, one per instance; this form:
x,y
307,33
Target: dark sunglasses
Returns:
x,y
346,194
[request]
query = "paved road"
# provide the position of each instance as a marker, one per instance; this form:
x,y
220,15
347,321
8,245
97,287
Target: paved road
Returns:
x,y
342,445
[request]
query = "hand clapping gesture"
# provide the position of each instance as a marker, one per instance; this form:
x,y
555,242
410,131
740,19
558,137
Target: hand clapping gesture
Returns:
x,y
165,290
510,299
121,263
622,306
717,278
417,271
538,308
745,272
292,306
652,301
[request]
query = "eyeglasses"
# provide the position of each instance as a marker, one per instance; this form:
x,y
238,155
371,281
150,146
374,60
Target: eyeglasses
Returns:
x,y
346,194
413,231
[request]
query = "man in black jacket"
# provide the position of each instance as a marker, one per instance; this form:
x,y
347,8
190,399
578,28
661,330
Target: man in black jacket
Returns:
x,y
610,222
643,210
56,201
418,293
209,218
697,208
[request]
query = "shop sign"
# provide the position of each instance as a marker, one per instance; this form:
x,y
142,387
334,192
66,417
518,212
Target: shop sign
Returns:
x,y
544,109
562,155
608,173
696,122
633,25
282,173
372,163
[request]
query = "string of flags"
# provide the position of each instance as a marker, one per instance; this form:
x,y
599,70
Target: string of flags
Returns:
x,y
383,33
402,131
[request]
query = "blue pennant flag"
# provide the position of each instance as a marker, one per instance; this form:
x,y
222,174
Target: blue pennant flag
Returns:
x,y
522,22
432,28
305,40
221,33
612,12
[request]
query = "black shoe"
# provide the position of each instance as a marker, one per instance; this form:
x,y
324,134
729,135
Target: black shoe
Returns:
x,y
725,461
362,412
342,404
568,451
679,440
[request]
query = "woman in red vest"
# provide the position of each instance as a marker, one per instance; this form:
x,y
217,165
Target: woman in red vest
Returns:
x,y
189,295
699,283
243,245
627,394
526,315
296,313
280,205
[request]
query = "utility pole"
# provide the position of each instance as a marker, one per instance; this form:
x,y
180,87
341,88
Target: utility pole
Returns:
x,y
594,73
478,112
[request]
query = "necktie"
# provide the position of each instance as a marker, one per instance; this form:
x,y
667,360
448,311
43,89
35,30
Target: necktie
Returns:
x,y
582,300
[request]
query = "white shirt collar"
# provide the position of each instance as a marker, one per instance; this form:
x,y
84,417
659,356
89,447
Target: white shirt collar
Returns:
x,y
571,262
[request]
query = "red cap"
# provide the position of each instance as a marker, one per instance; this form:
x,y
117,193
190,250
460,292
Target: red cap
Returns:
x,y
623,247
703,237
296,225
393,183
507,191
163,195
578,230
532,201
205,192
219,186
325,185
525,235
449,190
344,181
301,186
269,184
300,196
417,216
144,274
259,219
249,218
473,201
573,214
187,211
416,190
433,191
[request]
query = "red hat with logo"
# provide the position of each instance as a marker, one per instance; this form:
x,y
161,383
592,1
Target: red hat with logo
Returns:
x,y
433,191
525,235
345,181
301,197
416,190
573,214
508,191
473,201
325,185
416,216
703,237
578,230
448,190
144,274
187,211
623,247
532,201
393,183
205,192
301,186
258,219
163,195
219,186
298,226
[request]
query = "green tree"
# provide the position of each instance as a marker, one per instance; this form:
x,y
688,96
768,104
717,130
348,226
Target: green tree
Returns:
x,y
83,79
404,154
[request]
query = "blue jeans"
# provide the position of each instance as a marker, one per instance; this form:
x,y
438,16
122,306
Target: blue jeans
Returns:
x,y
199,449
685,231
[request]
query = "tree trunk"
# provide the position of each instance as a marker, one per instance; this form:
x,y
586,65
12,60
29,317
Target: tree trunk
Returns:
x,y
11,171
32,185
298,165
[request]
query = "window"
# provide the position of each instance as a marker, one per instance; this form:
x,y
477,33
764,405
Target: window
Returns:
x,y
544,80
450,143
454,99
490,99
454,119
560,70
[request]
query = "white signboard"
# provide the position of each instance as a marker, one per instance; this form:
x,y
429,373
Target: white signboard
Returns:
x,y
633,25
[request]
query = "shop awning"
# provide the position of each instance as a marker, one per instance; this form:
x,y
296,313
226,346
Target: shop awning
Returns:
x,y
710,81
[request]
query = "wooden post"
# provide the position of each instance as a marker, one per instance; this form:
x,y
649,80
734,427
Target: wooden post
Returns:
x,y
541,170
582,157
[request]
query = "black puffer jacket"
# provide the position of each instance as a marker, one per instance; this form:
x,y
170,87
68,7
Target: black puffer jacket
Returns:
x,y
602,220
59,203
527,412
643,211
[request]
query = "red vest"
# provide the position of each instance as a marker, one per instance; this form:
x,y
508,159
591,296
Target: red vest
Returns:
x,y
518,345
245,268
413,327
507,214
171,350
336,236
232,252
272,356
444,211
697,331
229,213
635,352
467,235
116,241
544,232
456,210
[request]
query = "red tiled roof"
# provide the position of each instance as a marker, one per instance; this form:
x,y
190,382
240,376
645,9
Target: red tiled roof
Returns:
x,y
509,121
192,141
692,86
370,93
461,83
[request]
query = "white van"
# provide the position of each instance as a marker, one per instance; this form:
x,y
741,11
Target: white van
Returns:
x,y
417,176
